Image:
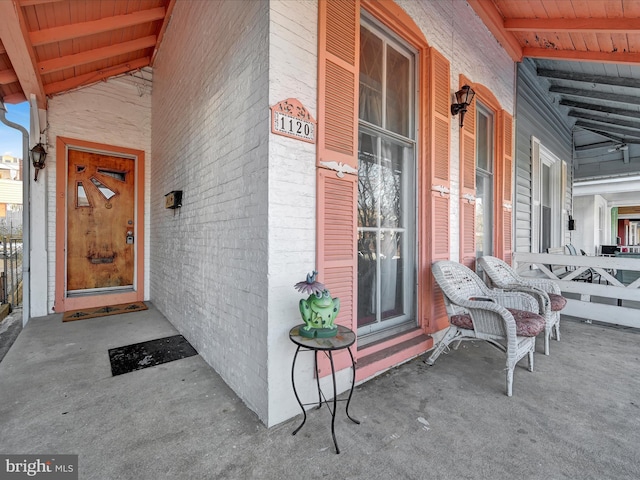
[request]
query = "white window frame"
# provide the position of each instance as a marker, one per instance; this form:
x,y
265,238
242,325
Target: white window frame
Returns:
x,y
383,328
541,156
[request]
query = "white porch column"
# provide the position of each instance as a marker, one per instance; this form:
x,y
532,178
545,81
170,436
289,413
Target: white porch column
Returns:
x,y
38,218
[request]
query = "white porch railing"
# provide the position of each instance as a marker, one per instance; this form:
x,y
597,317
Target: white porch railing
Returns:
x,y
616,302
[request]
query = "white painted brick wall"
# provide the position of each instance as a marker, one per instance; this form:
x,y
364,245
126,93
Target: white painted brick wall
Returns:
x,y
453,28
115,113
293,58
209,259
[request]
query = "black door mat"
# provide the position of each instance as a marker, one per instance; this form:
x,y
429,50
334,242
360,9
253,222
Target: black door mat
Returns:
x,y
149,354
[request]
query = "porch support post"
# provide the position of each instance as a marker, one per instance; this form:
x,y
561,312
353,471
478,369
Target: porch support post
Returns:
x,y
38,215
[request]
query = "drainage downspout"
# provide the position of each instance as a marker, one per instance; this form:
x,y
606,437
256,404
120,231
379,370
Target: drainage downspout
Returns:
x,y
26,213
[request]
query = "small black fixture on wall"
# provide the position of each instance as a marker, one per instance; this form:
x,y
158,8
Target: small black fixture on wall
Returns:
x,y
572,223
464,97
173,199
38,156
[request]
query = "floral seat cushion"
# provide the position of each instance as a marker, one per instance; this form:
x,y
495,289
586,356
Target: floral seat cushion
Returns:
x,y
558,302
528,324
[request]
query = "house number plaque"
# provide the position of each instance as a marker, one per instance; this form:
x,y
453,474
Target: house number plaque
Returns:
x,y
291,119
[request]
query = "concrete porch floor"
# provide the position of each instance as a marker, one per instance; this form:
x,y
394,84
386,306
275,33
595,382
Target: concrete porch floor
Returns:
x,y
577,416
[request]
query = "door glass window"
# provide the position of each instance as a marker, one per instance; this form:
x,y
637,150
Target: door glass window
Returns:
x,y
104,190
81,196
386,182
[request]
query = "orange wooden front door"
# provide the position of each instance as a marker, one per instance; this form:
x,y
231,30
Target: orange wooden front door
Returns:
x,y
101,232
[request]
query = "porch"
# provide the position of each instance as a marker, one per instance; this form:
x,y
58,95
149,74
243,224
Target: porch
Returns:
x,y
576,416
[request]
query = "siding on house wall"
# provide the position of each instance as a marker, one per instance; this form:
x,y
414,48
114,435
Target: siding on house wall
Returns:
x,y
536,116
209,259
114,112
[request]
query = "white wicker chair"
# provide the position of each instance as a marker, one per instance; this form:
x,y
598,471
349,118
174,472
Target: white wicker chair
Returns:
x,y
546,291
507,320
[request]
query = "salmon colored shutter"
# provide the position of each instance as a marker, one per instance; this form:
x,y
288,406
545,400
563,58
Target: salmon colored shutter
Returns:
x,y
439,129
468,188
337,160
339,40
506,129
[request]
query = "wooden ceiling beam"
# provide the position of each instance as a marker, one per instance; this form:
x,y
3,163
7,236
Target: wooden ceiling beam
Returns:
x,y
167,17
97,76
613,97
573,25
13,35
578,55
630,136
14,98
7,77
600,108
594,146
70,61
589,78
608,120
30,3
76,30
494,21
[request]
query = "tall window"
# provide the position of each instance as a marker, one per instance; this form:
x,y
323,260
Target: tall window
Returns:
x,y
386,182
484,180
547,193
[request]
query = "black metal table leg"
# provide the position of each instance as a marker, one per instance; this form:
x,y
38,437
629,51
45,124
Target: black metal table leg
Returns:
x,y
335,400
315,359
293,383
353,382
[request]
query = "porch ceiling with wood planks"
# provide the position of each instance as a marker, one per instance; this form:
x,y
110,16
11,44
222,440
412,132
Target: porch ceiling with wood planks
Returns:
x,y
587,54
48,47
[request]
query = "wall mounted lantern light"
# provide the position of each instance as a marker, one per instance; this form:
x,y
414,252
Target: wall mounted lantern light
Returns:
x,y
464,96
38,156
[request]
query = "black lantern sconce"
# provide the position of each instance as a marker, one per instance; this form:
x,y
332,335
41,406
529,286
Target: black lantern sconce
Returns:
x,y
464,96
38,156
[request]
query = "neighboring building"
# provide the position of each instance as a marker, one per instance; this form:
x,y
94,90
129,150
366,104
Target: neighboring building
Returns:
x,y
389,183
10,196
11,168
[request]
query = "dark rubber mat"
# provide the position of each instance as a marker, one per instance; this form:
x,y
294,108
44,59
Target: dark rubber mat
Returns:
x,y
148,354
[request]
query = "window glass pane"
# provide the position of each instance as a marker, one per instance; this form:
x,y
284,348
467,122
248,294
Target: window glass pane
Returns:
x,y
546,185
391,274
484,145
117,175
484,217
398,94
104,190
81,196
368,180
370,77
391,185
366,278
80,168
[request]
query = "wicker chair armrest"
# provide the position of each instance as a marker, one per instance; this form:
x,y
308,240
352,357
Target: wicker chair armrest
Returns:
x,y
548,286
539,293
516,299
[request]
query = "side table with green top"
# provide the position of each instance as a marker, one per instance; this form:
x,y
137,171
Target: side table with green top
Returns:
x,y
344,339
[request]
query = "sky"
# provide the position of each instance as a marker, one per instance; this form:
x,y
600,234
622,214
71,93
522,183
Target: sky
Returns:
x,y
10,138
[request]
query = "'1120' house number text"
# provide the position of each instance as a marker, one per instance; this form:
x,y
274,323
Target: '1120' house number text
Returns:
x,y
293,126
